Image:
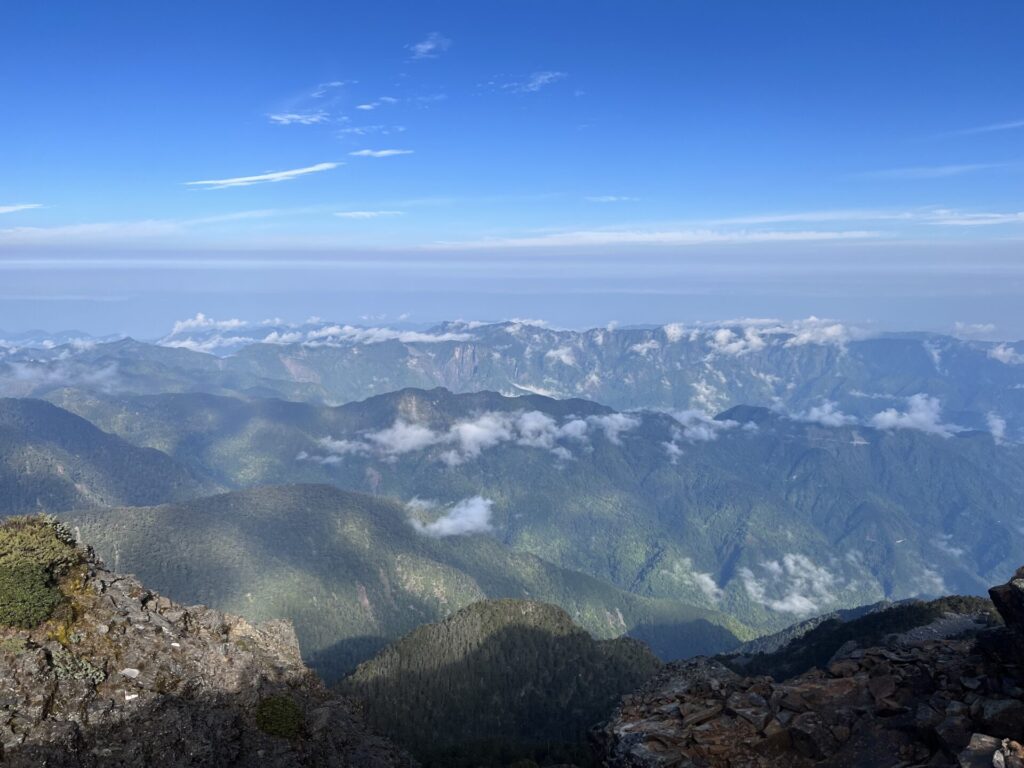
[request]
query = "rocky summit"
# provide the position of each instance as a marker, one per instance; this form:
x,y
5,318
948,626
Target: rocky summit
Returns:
x,y
118,675
946,694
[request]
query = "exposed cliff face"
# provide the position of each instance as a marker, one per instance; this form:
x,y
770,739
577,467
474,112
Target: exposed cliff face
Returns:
x,y
120,676
947,694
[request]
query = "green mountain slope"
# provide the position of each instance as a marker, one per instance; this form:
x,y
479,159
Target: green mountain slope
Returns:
x,y
498,681
52,460
767,518
353,573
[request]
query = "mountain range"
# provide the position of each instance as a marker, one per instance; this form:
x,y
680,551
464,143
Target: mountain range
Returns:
x,y
766,516
812,367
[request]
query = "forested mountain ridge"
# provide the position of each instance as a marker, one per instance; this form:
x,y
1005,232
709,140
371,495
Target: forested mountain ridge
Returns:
x,y
352,572
52,460
767,517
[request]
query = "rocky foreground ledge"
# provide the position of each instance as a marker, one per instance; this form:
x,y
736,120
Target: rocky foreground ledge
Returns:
x,y
919,699
120,676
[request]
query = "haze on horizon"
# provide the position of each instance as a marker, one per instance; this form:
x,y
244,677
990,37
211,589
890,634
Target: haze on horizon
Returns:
x,y
580,162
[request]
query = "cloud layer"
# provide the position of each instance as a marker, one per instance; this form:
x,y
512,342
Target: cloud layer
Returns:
x,y
467,439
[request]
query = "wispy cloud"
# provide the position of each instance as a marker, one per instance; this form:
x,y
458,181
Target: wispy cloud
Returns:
x,y
372,105
641,237
610,199
535,81
1008,125
325,88
431,47
366,130
965,219
930,171
367,214
19,207
938,216
263,178
380,152
298,118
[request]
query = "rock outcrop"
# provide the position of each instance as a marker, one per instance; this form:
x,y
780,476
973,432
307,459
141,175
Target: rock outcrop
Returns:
x,y
121,676
917,699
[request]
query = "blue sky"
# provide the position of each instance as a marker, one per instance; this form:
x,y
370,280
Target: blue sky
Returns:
x,y
581,161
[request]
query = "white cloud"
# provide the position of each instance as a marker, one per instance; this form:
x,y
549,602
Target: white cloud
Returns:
x,y
324,88
929,582
968,330
643,347
944,543
614,424
1008,125
923,413
19,207
931,216
372,105
610,199
263,178
367,130
472,515
674,332
996,425
22,377
431,47
724,341
367,214
345,335
403,437
597,238
931,171
1006,354
380,152
706,583
535,81
983,219
209,345
815,330
467,438
699,426
795,585
473,437
563,355
298,118
827,414
201,321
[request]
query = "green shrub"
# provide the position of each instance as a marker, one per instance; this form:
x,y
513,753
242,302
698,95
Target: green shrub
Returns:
x,y
279,716
35,551
39,540
27,595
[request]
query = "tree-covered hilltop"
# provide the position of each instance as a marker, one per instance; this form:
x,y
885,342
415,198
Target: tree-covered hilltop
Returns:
x,y
52,460
497,682
353,573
